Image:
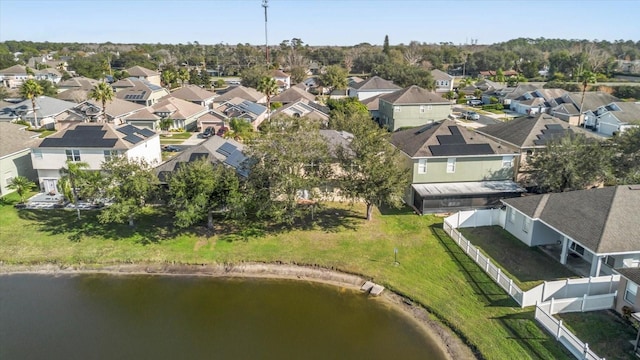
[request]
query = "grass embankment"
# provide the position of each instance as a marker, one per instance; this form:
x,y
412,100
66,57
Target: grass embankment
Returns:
x,y
433,271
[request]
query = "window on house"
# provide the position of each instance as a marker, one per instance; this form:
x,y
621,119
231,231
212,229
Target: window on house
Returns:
x,y
610,261
630,292
577,248
526,224
422,108
110,154
507,162
37,153
396,108
422,166
73,155
451,165
512,216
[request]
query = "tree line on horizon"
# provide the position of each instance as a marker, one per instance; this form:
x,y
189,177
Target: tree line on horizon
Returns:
x,y
564,58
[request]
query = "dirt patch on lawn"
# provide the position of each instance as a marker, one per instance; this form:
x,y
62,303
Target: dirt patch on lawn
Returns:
x,y
451,345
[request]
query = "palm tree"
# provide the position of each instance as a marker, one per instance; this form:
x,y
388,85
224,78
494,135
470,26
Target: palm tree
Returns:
x,y
240,129
102,92
30,89
269,87
165,123
71,173
22,186
183,75
168,77
586,77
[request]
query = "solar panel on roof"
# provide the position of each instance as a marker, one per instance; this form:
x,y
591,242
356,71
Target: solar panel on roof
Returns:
x,y
554,126
454,130
127,129
226,149
450,139
146,132
457,149
235,159
132,139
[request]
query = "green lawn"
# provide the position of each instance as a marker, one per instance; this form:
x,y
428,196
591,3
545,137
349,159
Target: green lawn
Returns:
x,y
433,271
176,135
528,267
607,334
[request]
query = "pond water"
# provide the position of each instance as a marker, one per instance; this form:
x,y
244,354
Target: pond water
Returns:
x,y
167,317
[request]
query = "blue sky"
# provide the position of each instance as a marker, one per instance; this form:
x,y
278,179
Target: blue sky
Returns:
x,y
316,22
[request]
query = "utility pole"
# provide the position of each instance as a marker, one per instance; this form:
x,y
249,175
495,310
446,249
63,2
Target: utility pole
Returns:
x,y
265,5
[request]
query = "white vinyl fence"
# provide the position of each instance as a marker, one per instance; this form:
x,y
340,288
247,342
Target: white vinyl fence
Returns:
x,y
485,263
579,349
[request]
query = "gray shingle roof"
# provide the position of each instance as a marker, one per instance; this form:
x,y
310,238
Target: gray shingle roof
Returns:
x,y
414,95
375,83
141,71
45,107
193,93
207,149
440,75
14,137
603,220
241,92
592,100
629,114
524,132
293,94
632,274
425,141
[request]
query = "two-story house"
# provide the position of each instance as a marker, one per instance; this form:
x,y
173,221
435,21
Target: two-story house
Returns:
x,y
444,81
93,144
537,101
283,80
15,154
371,87
249,111
143,73
239,91
413,106
13,76
529,134
139,91
454,168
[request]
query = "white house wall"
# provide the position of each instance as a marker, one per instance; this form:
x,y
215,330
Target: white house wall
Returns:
x,y
148,150
515,226
544,235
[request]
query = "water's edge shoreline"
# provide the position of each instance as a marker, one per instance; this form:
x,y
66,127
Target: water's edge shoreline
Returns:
x,y
451,345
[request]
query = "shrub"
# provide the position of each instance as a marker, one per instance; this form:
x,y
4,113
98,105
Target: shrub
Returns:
x,y
493,107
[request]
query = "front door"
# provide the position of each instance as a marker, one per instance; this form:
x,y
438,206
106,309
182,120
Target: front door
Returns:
x,y
50,185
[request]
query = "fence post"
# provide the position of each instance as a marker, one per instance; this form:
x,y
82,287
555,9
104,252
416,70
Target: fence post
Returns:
x,y
559,329
459,237
467,249
589,286
477,254
566,288
486,267
586,351
510,285
551,307
611,283
544,290
584,301
498,277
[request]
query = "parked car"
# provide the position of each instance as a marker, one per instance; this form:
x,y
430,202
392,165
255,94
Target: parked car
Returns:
x,y
474,102
208,132
171,148
471,115
223,130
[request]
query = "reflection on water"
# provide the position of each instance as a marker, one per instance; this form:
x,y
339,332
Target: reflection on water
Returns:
x,y
156,317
